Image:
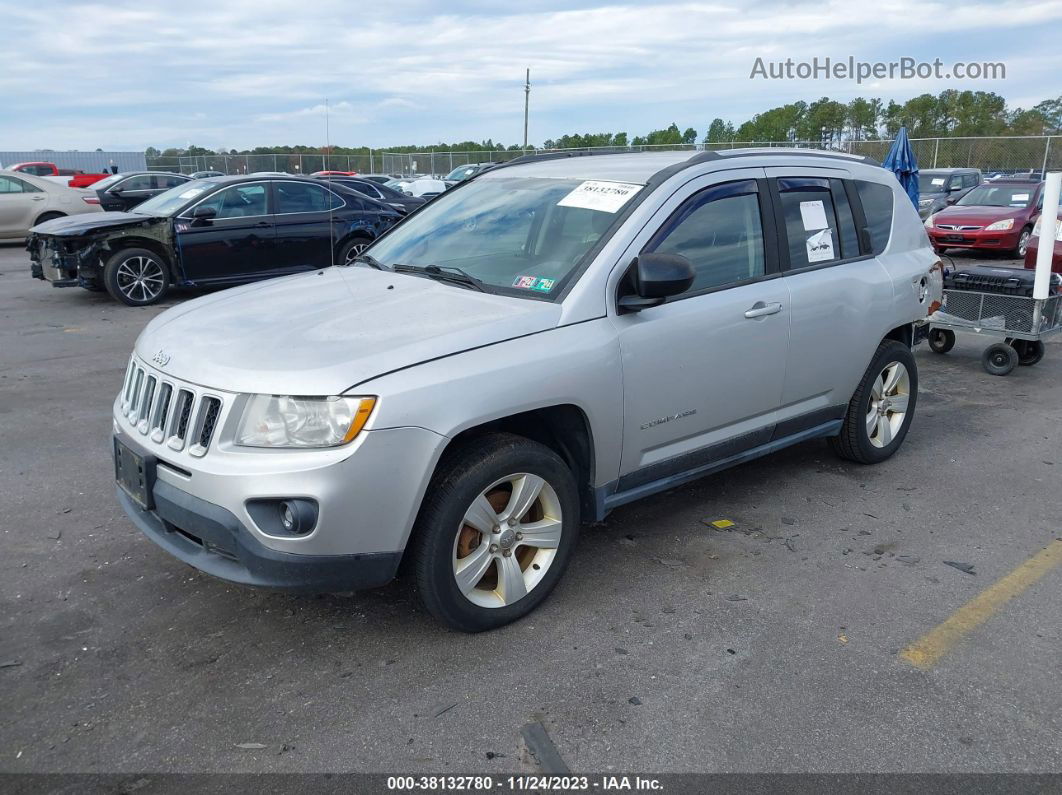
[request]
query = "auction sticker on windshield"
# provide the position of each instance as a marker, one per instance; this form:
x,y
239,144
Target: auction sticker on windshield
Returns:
x,y
606,197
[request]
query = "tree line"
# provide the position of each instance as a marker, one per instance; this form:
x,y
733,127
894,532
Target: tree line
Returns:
x,y
826,122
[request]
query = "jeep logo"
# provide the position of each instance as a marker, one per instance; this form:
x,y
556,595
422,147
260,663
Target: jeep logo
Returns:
x,y
161,358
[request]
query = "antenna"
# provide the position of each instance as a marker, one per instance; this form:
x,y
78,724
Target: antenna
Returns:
x,y
328,181
527,101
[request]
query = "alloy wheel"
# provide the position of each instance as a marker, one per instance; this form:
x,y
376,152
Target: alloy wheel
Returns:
x,y
140,279
889,398
353,252
507,540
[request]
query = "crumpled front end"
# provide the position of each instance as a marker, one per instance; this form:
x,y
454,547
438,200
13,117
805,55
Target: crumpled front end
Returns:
x,y
65,262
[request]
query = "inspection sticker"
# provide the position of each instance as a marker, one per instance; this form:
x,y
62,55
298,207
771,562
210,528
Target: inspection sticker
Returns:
x,y
820,246
606,197
544,285
525,282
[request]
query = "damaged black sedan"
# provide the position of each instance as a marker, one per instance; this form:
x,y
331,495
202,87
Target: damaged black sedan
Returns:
x,y
210,232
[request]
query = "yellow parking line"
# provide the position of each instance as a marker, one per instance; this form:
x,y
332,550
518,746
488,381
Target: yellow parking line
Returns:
x,y
927,650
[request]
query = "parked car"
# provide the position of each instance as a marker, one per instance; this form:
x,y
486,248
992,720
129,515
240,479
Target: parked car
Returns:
x,y
69,177
205,174
123,192
26,201
1036,240
543,343
380,178
419,187
997,215
400,201
942,187
461,173
218,231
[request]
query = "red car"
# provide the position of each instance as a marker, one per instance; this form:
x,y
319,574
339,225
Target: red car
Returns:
x,y
1034,246
997,215
71,177
334,174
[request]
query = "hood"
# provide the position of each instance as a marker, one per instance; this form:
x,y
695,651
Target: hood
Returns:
x,y
978,215
75,225
321,333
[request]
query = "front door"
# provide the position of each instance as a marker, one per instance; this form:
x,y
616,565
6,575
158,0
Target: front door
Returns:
x,y
703,373
305,229
238,243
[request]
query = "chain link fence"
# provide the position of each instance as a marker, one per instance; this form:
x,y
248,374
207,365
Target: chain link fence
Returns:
x,y
993,155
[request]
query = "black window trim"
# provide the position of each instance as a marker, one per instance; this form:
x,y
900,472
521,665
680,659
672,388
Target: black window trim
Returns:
x,y
323,186
225,186
862,233
723,190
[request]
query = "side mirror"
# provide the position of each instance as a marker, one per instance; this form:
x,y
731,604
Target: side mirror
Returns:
x,y
954,188
116,191
656,277
204,213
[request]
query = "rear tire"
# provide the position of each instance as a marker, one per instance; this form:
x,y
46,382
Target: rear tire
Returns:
x,y
999,359
941,340
880,412
1029,352
474,569
49,217
136,277
351,249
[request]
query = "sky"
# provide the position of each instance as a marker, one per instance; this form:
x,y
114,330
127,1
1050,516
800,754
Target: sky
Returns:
x,y
240,73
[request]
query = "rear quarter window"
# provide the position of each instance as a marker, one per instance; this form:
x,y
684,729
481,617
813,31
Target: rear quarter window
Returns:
x,y
877,201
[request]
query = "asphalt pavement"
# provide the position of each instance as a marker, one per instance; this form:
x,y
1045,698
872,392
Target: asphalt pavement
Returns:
x,y
774,644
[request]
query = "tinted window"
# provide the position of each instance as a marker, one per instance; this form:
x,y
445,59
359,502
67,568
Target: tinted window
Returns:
x,y
721,235
845,220
39,171
969,180
366,188
139,182
239,201
877,207
12,185
166,181
810,221
297,197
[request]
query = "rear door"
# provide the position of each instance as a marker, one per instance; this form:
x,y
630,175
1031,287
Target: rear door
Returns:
x,y
703,373
835,283
20,203
306,224
238,243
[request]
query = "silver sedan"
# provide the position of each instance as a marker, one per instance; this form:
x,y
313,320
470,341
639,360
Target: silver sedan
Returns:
x,y
26,201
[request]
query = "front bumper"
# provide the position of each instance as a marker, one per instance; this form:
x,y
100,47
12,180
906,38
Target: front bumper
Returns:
x,y
975,239
214,541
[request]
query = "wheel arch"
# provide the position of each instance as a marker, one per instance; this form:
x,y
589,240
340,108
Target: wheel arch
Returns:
x,y
112,247
904,334
53,213
564,428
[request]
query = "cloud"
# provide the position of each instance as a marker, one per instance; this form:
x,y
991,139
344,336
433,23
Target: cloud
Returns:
x,y
251,73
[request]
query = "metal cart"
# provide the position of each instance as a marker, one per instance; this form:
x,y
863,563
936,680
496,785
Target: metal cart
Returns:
x,y
1020,322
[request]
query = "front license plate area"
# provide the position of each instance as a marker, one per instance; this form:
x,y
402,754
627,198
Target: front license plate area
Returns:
x,y
135,474
954,238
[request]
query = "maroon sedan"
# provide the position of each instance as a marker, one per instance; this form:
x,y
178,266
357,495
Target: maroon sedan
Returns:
x,y
1034,246
998,215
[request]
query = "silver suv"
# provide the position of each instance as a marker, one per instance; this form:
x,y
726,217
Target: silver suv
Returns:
x,y
539,345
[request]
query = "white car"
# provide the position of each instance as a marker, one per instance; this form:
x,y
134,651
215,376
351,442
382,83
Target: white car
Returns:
x,y
26,201
421,187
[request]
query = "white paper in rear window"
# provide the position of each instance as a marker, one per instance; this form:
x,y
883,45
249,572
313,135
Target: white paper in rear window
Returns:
x,y
607,197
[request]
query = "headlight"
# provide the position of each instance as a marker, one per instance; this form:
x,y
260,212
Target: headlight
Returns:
x,y
1000,226
1036,227
285,421
930,221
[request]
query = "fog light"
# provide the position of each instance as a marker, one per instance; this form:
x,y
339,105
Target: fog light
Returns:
x,y
287,516
294,516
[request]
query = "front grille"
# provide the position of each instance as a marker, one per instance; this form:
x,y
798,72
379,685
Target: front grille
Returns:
x,y
169,412
958,228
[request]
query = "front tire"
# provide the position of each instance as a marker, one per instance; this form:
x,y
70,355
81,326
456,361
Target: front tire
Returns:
x,y
1023,242
880,412
351,249
999,359
495,532
136,277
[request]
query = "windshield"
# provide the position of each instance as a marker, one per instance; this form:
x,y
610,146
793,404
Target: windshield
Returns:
x,y
462,172
998,196
106,182
166,204
931,183
518,235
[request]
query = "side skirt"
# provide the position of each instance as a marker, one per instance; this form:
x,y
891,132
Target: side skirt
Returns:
x,y
606,497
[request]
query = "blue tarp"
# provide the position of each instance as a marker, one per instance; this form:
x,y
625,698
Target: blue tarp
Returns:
x,y
901,162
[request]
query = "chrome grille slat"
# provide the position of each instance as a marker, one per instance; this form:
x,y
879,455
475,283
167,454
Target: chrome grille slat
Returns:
x,y
169,412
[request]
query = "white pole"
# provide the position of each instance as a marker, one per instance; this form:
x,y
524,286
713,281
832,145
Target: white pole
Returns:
x,y
1048,222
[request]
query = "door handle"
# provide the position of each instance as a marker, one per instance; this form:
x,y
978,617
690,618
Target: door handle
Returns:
x,y
37,198
760,309
262,225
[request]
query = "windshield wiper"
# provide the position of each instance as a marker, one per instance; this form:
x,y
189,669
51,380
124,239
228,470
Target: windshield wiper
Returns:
x,y
445,273
370,260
